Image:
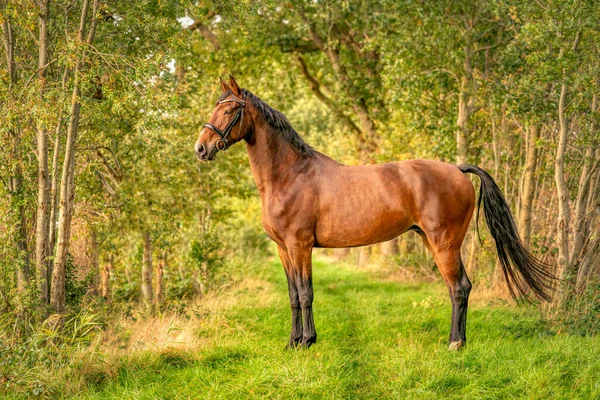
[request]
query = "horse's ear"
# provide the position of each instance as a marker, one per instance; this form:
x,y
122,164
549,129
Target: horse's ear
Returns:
x,y
235,88
224,86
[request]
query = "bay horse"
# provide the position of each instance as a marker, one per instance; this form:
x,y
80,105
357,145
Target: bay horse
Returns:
x,y
310,200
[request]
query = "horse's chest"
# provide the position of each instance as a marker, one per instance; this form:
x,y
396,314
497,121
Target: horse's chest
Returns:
x,y
274,221
282,218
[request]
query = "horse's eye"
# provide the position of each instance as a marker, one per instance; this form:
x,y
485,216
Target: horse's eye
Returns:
x,y
228,112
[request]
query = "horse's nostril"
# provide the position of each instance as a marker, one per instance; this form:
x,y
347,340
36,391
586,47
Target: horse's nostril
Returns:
x,y
200,149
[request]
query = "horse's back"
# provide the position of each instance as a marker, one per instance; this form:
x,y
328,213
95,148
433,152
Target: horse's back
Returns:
x,y
358,205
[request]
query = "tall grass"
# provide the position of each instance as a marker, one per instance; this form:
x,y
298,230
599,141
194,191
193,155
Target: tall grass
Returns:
x,y
35,364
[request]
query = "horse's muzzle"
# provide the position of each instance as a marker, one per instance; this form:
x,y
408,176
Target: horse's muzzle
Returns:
x,y
201,152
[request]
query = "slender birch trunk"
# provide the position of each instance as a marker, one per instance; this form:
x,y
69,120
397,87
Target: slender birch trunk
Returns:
x,y
585,183
462,121
41,234
67,189
54,190
466,107
364,256
562,189
160,269
390,247
561,186
341,253
495,141
106,269
591,257
147,274
528,188
564,213
53,207
588,265
93,256
593,203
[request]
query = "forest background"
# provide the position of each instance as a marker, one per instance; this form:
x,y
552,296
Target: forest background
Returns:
x,y
105,211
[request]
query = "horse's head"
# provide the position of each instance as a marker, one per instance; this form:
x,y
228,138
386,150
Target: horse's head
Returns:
x,y
227,124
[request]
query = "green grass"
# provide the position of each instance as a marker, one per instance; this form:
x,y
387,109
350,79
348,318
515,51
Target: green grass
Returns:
x,y
377,339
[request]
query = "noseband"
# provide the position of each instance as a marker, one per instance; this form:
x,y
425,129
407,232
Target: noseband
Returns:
x,y
223,143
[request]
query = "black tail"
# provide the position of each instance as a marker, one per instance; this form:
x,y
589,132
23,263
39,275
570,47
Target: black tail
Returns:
x,y
514,257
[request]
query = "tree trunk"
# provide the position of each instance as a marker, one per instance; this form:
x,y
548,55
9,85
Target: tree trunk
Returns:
x,y
390,247
54,190
528,188
562,189
106,277
335,108
67,187
593,202
495,139
9,46
581,216
15,187
15,181
67,193
147,275
41,234
53,208
466,106
93,255
341,253
368,142
585,183
197,283
160,267
590,261
368,133
205,275
364,255
462,123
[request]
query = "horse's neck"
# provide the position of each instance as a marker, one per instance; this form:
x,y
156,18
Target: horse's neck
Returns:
x,y
271,158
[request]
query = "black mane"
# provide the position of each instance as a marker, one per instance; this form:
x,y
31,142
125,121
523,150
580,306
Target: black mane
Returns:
x,y
277,121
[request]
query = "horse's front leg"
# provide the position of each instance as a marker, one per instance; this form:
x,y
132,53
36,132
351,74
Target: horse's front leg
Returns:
x,y
296,335
300,255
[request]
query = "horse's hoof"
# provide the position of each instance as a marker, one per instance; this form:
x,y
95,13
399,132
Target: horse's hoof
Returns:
x,y
294,344
306,343
454,346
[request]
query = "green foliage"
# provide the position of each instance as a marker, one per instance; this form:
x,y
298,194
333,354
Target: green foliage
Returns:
x,y
581,313
126,290
75,288
203,250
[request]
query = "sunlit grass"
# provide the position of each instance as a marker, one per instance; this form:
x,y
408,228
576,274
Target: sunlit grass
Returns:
x,y
377,339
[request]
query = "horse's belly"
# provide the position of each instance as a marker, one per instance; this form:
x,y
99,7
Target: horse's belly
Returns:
x,y
363,226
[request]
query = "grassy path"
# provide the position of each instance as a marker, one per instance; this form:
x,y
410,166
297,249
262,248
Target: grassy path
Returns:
x,y
377,339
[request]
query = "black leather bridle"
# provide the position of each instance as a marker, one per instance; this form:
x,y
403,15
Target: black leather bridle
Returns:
x,y
223,143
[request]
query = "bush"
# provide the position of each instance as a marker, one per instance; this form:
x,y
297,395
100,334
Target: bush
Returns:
x,y
581,314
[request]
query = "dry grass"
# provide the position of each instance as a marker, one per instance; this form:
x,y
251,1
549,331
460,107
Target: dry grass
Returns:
x,y
164,332
173,331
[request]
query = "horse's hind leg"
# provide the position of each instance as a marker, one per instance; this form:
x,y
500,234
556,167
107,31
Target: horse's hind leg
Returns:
x,y
459,288
453,271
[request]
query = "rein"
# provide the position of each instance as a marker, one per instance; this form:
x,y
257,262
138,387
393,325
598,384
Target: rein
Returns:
x,y
222,144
